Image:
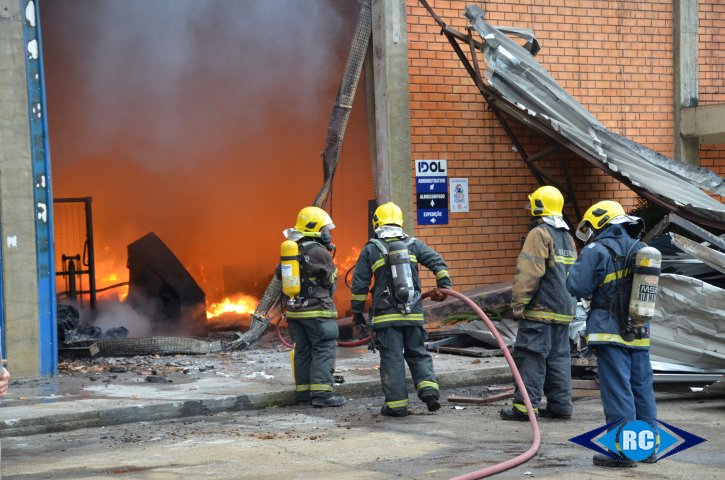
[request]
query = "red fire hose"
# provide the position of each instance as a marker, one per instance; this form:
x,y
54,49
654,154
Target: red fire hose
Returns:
x,y
503,466
499,467
352,343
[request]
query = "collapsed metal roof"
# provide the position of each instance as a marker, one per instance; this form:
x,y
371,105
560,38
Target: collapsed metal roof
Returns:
x,y
515,83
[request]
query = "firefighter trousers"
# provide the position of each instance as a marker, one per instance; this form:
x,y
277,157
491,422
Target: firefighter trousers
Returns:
x,y
400,345
543,358
315,342
626,384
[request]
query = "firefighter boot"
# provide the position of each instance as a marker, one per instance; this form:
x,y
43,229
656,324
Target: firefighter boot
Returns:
x,y
431,401
513,413
602,460
394,412
331,401
546,413
302,399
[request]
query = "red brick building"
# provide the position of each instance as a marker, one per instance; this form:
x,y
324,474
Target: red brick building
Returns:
x,y
615,58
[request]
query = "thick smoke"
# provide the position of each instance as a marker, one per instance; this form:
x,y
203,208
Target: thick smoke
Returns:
x,y
202,121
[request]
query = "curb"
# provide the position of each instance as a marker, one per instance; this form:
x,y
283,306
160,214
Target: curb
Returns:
x,y
54,417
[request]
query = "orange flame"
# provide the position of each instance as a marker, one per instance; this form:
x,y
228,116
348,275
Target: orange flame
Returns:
x,y
119,293
107,274
239,304
348,262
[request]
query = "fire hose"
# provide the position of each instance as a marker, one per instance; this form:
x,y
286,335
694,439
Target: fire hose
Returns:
x,y
352,343
536,443
513,462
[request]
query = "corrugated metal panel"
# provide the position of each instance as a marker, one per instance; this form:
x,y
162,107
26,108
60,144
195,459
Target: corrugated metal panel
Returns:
x,y
525,90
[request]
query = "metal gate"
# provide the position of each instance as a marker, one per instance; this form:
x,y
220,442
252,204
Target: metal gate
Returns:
x,y
74,252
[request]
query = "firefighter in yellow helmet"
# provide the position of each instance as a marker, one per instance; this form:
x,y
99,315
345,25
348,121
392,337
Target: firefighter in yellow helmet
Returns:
x,y
544,308
396,313
312,315
601,274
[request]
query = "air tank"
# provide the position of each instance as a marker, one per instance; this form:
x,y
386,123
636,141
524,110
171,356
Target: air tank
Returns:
x,y
645,282
290,267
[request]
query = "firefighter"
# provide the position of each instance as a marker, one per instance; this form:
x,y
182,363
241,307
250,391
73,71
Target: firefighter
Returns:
x,y
396,312
312,315
544,308
625,372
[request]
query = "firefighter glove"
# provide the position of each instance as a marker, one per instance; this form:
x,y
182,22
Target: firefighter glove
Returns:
x,y
360,322
518,311
437,296
374,344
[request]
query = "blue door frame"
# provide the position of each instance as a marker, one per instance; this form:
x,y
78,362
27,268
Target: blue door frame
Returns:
x,y
42,194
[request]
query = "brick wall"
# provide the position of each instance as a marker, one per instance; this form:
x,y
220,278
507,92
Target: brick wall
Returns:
x,y
711,52
614,57
711,74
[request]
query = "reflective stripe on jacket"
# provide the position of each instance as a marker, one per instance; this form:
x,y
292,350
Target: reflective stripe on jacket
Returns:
x,y
595,276
369,265
318,276
539,284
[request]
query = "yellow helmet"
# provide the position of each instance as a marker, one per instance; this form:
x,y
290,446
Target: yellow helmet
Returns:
x,y
311,220
545,201
387,214
598,216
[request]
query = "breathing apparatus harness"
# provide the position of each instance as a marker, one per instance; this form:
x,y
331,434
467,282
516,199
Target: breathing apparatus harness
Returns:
x,y
293,284
400,290
619,300
633,302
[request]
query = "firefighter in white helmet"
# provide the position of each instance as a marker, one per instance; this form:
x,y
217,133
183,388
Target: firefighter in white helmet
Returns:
x,y
544,309
311,313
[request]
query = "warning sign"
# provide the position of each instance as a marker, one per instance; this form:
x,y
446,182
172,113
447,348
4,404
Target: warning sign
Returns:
x,y
459,194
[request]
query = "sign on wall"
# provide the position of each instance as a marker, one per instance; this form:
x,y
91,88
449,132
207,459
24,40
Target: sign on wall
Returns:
x,y
459,194
431,191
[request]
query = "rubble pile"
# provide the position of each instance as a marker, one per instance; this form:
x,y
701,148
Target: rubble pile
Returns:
x,y
265,361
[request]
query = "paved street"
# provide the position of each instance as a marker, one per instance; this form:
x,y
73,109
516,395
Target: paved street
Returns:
x,y
353,442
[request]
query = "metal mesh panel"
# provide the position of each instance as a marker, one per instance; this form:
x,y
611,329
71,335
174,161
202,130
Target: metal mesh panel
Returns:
x,y
155,346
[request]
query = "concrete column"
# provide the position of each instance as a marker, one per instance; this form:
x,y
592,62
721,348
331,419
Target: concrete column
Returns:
x,y
685,35
393,166
706,124
17,208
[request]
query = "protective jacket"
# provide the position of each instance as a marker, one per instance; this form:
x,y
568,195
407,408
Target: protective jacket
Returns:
x,y
595,276
372,262
541,270
318,276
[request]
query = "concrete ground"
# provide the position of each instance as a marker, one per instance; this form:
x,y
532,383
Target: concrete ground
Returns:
x,y
353,442
231,416
103,391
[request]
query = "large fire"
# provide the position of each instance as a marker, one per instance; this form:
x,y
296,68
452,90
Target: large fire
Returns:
x,y
239,304
111,277
199,168
233,311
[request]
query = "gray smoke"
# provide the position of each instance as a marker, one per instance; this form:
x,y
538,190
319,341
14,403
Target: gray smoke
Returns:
x,y
158,76
202,121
